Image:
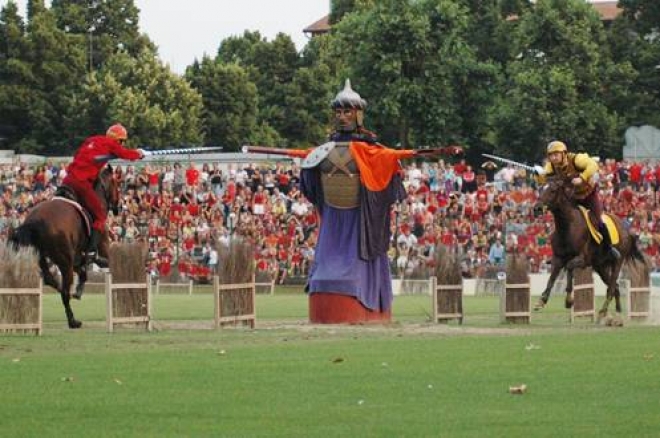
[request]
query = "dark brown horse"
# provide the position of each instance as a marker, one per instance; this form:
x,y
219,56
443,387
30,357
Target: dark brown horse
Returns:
x,y
58,231
573,247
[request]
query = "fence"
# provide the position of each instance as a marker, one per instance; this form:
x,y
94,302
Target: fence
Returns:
x,y
21,310
234,303
127,303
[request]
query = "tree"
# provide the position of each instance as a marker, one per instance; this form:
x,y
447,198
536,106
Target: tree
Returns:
x,y
40,66
339,8
272,67
107,27
230,102
159,108
634,39
411,61
555,85
15,76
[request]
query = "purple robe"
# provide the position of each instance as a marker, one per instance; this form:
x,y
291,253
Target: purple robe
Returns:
x,y
351,252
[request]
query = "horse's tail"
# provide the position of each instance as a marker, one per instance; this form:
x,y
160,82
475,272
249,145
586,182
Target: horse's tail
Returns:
x,y
635,252
21,236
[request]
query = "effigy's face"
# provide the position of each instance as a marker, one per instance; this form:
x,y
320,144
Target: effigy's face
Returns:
x,y
346,119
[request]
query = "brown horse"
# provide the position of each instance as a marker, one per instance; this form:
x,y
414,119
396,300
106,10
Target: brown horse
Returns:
x,y
59,232
573,247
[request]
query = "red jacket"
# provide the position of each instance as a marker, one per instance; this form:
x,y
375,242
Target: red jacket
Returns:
x,y
85,168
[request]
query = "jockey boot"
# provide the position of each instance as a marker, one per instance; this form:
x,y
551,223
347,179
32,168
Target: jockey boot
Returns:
x,y
93,250
607,241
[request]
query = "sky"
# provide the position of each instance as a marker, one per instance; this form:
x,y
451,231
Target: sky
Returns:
x,y
185,30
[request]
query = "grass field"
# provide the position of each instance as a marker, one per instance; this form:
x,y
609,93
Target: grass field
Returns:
x,y
290,379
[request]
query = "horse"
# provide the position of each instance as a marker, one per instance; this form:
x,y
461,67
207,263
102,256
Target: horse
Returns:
x,y
573,246
59,230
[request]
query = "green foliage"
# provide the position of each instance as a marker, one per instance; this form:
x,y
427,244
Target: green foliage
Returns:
x,y
412,62
230,102
504,75
159,108
107,27
555,83
291,94
634,39
339,8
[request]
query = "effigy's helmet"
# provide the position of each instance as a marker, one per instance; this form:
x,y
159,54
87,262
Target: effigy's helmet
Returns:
x,y
349,99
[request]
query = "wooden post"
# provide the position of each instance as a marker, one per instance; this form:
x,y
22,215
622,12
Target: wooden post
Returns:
x,y
143,316
234,303
447,301
516,303
584,295
638,302
35,325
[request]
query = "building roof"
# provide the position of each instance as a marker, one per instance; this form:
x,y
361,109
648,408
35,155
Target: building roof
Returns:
x,y
608,11
319,26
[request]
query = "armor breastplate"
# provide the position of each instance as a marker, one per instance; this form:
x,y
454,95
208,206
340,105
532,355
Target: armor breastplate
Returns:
x,y
340,178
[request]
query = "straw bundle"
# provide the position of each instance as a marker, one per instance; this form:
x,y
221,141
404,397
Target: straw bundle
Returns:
x,y
128,265
18,269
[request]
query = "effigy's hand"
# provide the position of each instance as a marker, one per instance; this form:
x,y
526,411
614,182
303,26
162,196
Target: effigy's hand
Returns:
x,y
577,181
455,150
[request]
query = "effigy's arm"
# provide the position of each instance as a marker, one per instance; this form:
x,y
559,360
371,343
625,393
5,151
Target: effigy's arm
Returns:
x,y
403,154
292,153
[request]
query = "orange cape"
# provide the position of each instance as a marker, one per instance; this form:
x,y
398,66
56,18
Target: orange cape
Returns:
x,y
377,164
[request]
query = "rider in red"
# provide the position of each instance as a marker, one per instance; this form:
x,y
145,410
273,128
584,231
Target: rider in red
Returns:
x,y
83,171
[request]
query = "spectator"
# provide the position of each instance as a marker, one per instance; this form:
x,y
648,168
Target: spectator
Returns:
x,y
496,253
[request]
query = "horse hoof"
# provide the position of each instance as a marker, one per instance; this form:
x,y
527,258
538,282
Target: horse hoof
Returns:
x,y
539,306
75,324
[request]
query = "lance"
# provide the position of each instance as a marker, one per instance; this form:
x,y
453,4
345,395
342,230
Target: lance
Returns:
x,y
103,158
534,169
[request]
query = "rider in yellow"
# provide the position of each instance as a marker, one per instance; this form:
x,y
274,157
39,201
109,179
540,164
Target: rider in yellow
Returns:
x,y
584,172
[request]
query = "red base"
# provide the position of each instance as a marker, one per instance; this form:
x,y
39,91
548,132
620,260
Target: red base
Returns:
x,y
330,308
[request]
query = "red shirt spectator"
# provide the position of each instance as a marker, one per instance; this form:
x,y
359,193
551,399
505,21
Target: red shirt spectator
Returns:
x,y
635,174
192,175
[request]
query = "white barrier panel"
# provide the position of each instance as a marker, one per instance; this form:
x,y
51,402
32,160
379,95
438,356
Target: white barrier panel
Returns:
x,y
655,298
537,286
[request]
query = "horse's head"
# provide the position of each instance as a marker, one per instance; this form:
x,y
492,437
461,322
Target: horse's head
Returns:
x,y
556,192
109,188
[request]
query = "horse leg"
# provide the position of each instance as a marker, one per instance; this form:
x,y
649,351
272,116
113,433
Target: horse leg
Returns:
x,y
47,275
568,303
82,279
576,262
610,275
67,281
556,269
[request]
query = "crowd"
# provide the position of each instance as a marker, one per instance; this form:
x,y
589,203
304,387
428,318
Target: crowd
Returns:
x,y
184,212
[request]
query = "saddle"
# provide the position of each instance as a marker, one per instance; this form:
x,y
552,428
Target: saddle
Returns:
x,y
65,193
593,230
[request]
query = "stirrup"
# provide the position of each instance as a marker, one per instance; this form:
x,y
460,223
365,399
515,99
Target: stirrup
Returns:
x,y
97,259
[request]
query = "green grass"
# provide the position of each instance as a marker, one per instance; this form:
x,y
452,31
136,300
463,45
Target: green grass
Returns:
x,y
410,379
